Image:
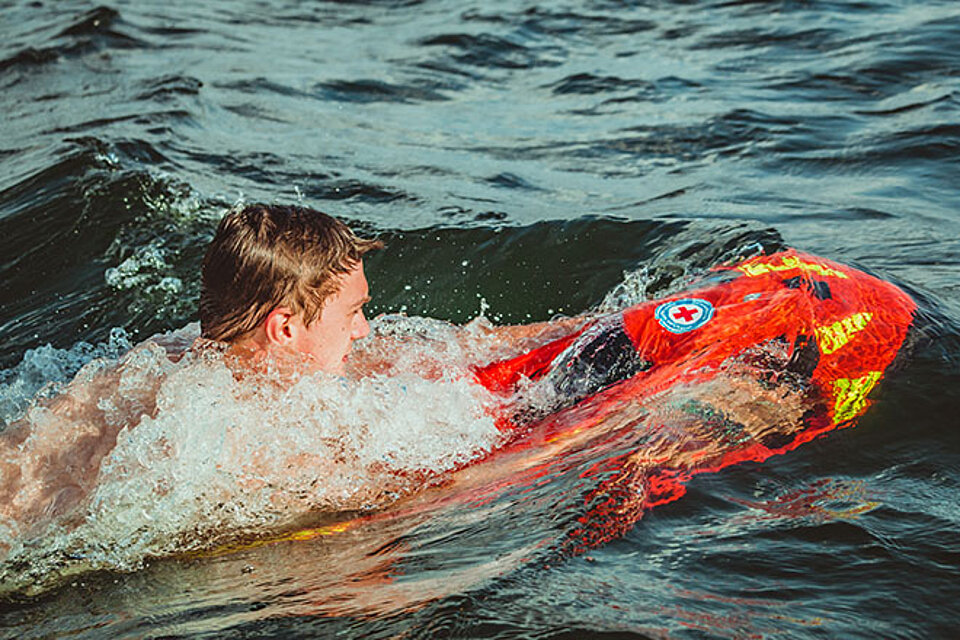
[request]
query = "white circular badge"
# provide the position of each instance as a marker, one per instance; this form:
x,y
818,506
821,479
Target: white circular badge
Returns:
x,y
680,316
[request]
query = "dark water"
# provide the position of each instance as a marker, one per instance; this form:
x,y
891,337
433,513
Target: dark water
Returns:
x,y
528,155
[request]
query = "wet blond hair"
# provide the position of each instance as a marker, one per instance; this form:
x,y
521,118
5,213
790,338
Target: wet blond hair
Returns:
x,y
266,256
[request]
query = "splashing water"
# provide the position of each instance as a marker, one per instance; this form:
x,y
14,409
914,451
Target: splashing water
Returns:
x,y
43,371
164,450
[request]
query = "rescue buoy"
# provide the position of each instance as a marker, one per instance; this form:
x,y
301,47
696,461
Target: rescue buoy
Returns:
x,y
817,325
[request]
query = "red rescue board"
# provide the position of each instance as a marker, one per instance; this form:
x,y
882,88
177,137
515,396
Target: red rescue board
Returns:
x,y
839,330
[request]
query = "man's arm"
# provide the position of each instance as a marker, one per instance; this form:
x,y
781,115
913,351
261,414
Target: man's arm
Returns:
x,y
478,338
50,458
528,335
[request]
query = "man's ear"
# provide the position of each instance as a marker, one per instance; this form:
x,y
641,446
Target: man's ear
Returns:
x,y
279,327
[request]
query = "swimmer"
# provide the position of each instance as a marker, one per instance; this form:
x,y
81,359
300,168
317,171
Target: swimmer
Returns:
x,y
276,281
282,287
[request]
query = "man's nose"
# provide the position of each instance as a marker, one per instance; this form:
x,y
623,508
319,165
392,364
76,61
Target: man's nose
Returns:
x,y
361,328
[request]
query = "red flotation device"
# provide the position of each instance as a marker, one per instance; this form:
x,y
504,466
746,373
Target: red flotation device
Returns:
x,y
837,328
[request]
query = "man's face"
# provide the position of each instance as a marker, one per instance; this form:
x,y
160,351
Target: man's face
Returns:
x,y
329,338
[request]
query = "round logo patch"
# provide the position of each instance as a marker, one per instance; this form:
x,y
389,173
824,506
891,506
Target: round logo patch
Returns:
x,y
684,315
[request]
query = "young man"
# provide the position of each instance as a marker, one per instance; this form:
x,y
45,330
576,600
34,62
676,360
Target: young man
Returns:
x,y
276,279
286,278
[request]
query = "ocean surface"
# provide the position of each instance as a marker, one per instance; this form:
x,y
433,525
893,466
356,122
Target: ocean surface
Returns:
x,y
522,161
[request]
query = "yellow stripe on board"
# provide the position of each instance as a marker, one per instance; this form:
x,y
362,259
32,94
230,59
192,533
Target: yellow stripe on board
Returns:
x,y
310,534
833,337
299,535
851,395
788,263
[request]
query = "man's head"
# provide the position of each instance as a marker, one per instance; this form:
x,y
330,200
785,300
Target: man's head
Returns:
x,y
286,276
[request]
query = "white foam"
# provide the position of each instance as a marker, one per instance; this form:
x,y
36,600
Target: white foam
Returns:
x,y
201,456
138,269
44,369
149,276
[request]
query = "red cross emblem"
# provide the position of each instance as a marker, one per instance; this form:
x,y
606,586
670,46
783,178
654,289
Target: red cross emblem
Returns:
x,y
686,314
681,316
